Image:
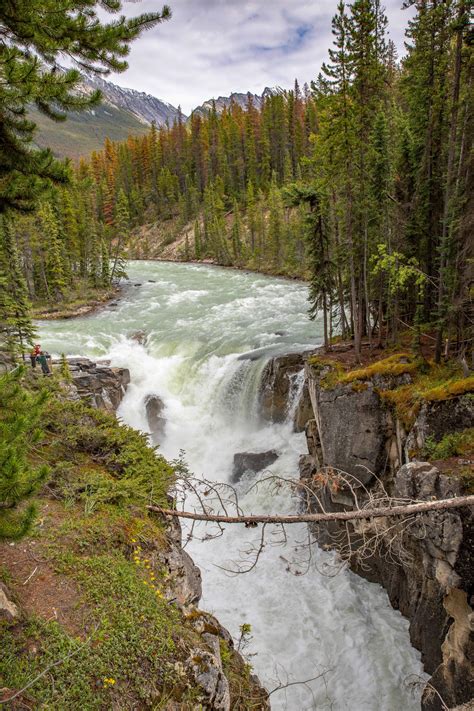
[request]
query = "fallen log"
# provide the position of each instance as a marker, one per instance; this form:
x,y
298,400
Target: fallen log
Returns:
x,y
382,512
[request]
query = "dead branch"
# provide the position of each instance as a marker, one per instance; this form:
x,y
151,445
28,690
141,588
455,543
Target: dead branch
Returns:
x,y
382,512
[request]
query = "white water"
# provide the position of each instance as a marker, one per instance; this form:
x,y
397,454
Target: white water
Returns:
x,y
199,319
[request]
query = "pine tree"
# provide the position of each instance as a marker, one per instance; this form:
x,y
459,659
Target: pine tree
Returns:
x,y
16,329
35,35
236,234
20,414
54,268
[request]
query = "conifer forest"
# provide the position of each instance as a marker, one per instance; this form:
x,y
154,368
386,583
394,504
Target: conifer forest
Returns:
x,y
360,182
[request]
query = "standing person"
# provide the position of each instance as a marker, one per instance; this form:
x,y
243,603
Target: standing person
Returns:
x,y
42,359
34,355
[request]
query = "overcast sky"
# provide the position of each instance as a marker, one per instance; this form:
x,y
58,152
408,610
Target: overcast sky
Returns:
x,y
214,47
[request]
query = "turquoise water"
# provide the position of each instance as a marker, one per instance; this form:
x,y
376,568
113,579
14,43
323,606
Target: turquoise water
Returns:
x,y
199,320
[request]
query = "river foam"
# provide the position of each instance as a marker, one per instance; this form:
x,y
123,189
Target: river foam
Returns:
x,y
199,320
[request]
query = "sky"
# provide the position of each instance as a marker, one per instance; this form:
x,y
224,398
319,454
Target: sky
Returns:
x,y
211,48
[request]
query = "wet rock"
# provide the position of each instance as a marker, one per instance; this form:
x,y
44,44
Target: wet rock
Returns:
x,y
8,610
278,380
251,461
156,422
100,385
304,410
138,284
138,336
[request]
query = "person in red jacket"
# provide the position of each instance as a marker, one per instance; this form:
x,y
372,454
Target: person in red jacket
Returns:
x,y
34,354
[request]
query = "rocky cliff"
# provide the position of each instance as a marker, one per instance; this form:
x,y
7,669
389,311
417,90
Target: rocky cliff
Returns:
x,y
360,445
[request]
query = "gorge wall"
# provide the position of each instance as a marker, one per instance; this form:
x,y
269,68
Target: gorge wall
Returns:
x,y
426,565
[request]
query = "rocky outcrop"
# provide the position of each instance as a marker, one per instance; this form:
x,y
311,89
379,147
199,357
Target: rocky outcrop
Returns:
x,y
277,386
436,419
97,383
251,462
429,574
154,406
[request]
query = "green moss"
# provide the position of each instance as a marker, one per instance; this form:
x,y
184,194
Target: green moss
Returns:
x,y
452,388
334,370
397,364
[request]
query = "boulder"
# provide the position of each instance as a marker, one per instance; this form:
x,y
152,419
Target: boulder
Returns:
x,y
156,422
251,461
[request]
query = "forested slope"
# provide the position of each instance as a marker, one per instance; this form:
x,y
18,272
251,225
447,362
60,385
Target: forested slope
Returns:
x,y
361,182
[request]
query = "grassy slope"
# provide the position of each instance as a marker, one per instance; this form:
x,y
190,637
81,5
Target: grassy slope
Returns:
x,y
98,588
85,132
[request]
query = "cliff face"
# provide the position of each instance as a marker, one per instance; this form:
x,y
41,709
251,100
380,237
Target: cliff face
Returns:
x,y
429,574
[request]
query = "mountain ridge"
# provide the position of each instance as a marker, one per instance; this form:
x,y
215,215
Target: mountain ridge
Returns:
x,y
123,112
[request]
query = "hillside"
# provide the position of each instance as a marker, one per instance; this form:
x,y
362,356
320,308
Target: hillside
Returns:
x,y
122,113
85,132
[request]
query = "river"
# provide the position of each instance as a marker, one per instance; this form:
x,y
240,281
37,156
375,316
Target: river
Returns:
x,y
199,319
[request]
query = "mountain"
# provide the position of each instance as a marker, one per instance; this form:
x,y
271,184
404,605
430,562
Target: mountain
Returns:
x,y
122,113
237,98
145,107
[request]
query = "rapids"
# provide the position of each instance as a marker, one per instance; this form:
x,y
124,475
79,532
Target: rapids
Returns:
x,y
199,320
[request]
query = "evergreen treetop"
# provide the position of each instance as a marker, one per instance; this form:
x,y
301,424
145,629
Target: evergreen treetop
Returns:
x,y
34,36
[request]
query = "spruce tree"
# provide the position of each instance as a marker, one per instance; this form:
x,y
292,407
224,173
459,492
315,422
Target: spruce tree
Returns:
x,y
16,328
20,414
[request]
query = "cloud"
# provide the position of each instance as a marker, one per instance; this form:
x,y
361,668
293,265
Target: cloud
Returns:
x,y
214,47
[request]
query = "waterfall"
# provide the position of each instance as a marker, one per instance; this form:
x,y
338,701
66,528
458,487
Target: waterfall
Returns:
x,y
202,324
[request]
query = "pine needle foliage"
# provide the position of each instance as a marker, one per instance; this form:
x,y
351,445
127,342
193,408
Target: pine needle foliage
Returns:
x,y
20,419
35,34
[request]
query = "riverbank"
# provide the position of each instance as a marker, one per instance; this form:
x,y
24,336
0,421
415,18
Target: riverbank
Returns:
x,y
80,304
